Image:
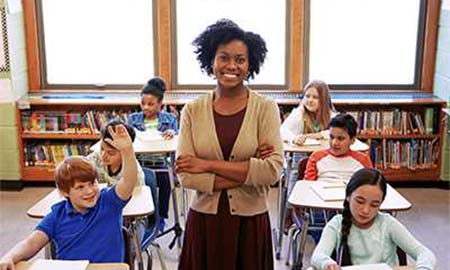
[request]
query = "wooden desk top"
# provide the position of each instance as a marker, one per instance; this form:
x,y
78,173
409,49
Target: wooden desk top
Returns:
x,y
91,266
302,195
141,203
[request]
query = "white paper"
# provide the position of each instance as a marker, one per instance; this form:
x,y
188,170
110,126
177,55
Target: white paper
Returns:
x,y
310,141
149,136
378,266
58,265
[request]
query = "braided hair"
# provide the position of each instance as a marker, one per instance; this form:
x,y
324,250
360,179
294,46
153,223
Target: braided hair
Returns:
x,y
222,32
365,176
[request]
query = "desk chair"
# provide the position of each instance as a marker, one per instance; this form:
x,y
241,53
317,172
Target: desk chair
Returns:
x,y
297,218
151,232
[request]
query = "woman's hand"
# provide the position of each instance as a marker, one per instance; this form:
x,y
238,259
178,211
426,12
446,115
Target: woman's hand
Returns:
x,y
191,164
332,266
300,139
168,134
264,151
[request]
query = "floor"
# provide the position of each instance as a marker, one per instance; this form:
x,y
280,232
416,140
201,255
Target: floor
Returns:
x,y
428,220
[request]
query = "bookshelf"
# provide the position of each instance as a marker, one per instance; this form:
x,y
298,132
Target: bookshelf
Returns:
x,y
91,110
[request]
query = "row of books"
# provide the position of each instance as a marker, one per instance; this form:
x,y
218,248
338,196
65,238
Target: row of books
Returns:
x,y
411,154
89,122
396,122
50,154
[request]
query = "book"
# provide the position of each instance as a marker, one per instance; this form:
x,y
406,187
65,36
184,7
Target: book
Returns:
x,y
329,191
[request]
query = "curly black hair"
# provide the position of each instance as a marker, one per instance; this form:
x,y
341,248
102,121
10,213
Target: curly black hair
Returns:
x,y
223,32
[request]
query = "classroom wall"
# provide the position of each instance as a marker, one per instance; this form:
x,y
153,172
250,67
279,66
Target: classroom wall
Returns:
x,y
13,84
441,84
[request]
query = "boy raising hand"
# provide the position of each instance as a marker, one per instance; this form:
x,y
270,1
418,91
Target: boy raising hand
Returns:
x,y
88,225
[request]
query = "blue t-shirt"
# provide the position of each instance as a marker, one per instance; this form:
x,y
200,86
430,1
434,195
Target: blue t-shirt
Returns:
x,y
95,235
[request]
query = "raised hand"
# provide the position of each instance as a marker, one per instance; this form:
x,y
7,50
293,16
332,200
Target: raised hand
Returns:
x,y
121,139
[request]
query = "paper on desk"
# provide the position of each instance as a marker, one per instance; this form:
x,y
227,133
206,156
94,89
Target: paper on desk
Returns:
x,y
310,141
41,264
329,191
378,266
149,135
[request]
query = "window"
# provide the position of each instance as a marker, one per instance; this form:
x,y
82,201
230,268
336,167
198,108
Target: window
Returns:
x,y
96,42
366,42
193,16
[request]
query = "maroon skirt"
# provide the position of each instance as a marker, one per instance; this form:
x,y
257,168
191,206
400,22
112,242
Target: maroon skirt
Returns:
x,y
226,241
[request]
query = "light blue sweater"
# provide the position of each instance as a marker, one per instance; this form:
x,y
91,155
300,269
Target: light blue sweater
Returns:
x,y
376,244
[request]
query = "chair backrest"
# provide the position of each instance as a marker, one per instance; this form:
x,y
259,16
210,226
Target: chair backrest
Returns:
x,y
302,168
151,231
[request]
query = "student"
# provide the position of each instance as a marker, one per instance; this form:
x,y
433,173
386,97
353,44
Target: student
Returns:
x,y
88,225
362,234
337,163
108,161
153,118
310,119
228,224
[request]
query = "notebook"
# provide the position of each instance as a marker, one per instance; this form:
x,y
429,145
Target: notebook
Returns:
x,y
149,136
377,266
329,191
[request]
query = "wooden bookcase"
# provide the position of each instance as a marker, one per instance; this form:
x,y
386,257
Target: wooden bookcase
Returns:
x,y
130,102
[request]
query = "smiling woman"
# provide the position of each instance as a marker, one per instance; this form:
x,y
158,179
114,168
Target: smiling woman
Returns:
x,y
232,165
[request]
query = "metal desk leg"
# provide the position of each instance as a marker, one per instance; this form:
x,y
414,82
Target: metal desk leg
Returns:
x,y
299,250
282,209
176,227
137,244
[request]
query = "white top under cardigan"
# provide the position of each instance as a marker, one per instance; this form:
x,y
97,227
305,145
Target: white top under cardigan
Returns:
x,y
261,124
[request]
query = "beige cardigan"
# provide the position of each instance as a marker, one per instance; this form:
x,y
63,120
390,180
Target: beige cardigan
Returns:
x,y
198,137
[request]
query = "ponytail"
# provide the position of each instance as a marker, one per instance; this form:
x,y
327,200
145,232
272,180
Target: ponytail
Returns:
x,y
343,255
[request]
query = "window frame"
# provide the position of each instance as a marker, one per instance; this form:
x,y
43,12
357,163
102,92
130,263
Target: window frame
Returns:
x,y
42,57
295,48
418,55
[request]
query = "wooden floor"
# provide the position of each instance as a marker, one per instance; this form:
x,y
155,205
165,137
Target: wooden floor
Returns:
x,y
428,220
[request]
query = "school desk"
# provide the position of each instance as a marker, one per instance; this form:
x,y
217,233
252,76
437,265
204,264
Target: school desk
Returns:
x,y
139,206
166,148
283,188
305,197
92,266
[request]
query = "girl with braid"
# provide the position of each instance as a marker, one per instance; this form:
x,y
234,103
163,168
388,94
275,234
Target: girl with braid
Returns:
x,y
362,234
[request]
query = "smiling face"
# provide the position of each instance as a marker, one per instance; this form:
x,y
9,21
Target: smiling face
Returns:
x,y
150,106
311,100
83,195
231,64
110,156
365,203
340,141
